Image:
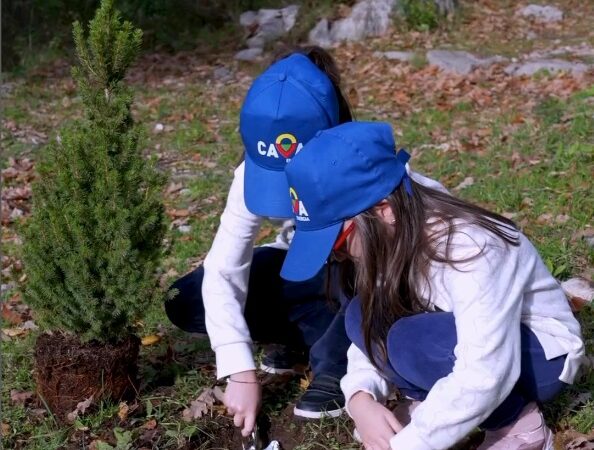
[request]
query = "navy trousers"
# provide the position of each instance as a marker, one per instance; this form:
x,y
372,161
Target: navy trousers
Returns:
x,y
277,311
421,351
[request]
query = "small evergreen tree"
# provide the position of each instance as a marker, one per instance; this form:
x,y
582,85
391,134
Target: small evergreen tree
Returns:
x,y
93,243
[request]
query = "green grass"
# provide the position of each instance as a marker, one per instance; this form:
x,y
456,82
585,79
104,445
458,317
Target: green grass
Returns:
x,y
542,166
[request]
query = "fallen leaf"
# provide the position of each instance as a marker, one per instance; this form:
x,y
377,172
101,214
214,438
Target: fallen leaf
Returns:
x,y
544,219
304,383
150,425
201,405
13,332
5,429
562,218
581,443
38,412
174,187
150,339
264,233
20,397
468,181
10,316
178,212
123,411
527,202
81,407
579,291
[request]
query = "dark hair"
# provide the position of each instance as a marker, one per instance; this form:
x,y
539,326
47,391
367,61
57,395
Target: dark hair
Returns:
x,y
325,62
396,258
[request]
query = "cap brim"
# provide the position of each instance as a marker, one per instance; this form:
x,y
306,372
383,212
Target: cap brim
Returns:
x,y
266,192
308,252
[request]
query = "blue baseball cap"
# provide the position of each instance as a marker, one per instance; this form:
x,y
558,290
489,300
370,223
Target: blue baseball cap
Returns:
x,y
339,174
286,105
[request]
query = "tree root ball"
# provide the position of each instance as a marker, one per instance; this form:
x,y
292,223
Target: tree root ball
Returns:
x,y
69,371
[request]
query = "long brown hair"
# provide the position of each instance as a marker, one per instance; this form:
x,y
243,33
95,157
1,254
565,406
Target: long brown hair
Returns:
x,y
326,63
396,258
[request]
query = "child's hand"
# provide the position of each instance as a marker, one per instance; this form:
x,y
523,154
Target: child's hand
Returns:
x,y
375,423
243,398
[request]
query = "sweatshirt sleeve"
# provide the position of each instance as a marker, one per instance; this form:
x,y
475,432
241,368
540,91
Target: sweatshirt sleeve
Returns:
x,y
362,376
486,294
226,276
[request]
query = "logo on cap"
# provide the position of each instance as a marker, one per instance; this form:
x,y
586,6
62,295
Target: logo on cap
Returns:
x,y
298,207
286,144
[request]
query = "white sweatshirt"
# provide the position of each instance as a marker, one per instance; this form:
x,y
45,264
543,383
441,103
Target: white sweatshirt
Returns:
x,y
226,275
489,297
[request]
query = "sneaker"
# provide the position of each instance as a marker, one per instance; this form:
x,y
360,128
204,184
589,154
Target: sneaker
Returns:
x,y
528,432
283,360
402,411
322,398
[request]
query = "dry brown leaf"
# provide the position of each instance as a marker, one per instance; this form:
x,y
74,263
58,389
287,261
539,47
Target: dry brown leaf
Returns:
x,y
20,397
202,404
579,291
13,332
174,187
150,339
81,407
264,233
150,425
5,429
178,212
468,181
527,202
304,383
544,219
10,316
123,411
581,443
562,218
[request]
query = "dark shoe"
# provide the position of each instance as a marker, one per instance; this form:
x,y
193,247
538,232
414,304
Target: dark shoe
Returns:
x,y
284,360
322,398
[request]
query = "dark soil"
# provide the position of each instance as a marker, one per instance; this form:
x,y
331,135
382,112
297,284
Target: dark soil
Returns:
x,y
69,372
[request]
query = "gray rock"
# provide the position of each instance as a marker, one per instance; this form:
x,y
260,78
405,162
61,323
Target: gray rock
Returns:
x,y
222,74
248,19
368,18
542,13
184,229
395,55
458,61
269,24
551,65
249,54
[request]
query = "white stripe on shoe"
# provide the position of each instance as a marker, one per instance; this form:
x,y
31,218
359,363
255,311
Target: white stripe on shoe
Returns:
x,y
318,414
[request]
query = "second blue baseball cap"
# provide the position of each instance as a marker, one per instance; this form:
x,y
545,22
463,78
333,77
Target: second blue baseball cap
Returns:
x,y
284,108
339,174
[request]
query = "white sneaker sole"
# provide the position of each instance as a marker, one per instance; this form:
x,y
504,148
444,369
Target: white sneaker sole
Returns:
x,y
318,414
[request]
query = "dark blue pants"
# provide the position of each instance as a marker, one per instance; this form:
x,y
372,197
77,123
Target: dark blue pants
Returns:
x,y
421,351
276,311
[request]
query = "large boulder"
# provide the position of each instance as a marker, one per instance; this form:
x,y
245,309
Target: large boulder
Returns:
x,y
368,18
266,25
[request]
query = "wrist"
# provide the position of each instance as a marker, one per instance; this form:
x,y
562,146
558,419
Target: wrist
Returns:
x,y
360,397
248,376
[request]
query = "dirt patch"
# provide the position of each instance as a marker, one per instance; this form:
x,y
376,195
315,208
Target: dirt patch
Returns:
x,y
69,372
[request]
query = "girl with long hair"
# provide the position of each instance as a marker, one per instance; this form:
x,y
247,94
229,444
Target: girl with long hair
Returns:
x,y
453,305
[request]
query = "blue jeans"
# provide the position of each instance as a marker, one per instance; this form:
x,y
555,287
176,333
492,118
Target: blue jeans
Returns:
x,y
277,311
421,351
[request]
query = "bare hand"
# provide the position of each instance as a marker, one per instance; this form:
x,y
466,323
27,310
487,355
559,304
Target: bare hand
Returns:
x,y
243,398
375,423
